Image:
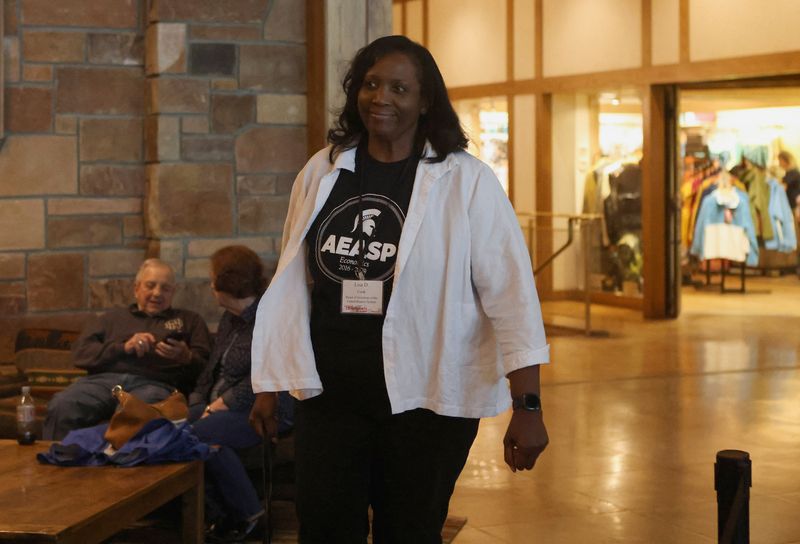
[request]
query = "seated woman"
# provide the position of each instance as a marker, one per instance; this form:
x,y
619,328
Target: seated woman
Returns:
x,y
220,405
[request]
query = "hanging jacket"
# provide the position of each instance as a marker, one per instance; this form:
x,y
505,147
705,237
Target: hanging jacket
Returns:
x,y
712,212
758,191
782,218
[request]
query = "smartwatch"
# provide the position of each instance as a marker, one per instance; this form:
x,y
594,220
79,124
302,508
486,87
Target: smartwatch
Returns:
x,y
529,402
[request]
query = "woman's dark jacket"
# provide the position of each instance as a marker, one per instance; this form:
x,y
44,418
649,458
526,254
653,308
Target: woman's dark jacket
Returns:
x,y
229,365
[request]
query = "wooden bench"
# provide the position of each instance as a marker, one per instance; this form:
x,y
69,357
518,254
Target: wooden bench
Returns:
x,y
43,360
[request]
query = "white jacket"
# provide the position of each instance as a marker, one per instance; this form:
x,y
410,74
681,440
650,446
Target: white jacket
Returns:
x,y
463,311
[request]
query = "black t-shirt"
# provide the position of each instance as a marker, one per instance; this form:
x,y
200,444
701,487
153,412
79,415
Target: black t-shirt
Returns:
x,y
348,348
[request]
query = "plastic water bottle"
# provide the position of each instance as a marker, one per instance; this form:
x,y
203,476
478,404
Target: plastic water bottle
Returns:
x,y
26,418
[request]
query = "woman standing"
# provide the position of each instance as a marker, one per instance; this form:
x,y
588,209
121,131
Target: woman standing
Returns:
x,y
420,304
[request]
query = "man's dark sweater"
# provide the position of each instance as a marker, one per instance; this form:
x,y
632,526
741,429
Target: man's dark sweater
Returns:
x,y
100,347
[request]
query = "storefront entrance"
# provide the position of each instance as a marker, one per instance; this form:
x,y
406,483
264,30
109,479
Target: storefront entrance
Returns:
x,y
736,186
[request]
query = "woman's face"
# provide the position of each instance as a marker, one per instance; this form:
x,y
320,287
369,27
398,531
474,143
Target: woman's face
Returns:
x,y
390,100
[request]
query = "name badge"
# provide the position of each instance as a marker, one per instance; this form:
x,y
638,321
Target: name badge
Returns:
x,y
363,297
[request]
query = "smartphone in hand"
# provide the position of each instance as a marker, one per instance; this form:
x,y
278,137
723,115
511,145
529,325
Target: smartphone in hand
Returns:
x,y
180,336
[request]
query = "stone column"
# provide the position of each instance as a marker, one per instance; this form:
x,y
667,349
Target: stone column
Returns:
x,y
225,130
349,26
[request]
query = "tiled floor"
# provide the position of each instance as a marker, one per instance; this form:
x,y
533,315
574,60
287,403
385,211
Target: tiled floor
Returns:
x,y
636,419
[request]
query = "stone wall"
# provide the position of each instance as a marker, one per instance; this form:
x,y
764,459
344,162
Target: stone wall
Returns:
x,y
141,128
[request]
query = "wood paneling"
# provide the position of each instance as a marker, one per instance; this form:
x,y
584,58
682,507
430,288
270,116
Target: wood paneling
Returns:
x,y
539,38
757,66
510,148
425,38
510,40
647,33
654,202
2,72
544,190
683,39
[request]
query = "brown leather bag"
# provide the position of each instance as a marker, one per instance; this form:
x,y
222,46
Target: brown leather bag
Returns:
x,y
133,413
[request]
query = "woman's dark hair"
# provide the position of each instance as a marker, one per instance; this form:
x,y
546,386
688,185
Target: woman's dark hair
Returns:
x,y
439,125
238,271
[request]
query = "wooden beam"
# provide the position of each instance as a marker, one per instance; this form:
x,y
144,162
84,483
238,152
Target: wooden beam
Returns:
x,y
510,150
539,39
544,190
2,73
683,40
755,66
509,98
510,40
654,202
647,33
425,11
316,109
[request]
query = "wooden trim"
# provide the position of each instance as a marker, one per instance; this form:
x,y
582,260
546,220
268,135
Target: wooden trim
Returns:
x,y
647,33
2,74
538,39
509,98
544,189
510,40
479,91
425,35
755,66
594,128
683,39
511,123
654,202
316,136
404,11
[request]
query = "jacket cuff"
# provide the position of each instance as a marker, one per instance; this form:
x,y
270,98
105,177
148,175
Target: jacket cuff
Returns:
x,y
526,358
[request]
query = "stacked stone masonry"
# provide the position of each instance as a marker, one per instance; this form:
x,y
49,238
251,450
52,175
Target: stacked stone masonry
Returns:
x,y
138,128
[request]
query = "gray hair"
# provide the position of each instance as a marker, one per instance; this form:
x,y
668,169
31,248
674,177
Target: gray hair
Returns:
x,y
154,263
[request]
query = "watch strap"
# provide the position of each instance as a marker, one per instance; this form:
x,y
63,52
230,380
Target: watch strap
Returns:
x,y
527,401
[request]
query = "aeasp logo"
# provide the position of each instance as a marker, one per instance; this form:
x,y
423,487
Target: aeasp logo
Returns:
x,y
339,243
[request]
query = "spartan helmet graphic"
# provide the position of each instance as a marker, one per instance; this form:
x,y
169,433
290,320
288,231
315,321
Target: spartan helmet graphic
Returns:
x,y
367,222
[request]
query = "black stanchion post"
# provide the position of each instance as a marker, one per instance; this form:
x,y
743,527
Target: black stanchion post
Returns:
x,y
732,480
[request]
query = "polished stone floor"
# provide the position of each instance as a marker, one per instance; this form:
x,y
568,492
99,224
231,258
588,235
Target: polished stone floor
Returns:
x,y
636,419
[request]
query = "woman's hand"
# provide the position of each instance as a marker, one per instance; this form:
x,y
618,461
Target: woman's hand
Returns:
x,y
264,415
216,406
525,439
526,436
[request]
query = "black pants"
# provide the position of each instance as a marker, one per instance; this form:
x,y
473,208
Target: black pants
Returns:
x,y
405,466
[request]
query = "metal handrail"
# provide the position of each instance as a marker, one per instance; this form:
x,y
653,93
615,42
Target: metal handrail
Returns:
x,y
572,220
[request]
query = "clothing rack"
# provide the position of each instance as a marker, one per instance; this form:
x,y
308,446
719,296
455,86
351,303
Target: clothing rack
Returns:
x,y
724,265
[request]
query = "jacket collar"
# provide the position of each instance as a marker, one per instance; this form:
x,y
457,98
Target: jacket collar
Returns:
x,y
427,173
134,309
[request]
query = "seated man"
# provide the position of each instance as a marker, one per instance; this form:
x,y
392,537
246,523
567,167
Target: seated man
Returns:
x,y
149,348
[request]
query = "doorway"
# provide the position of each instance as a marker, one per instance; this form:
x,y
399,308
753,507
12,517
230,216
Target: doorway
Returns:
x,y
735,184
